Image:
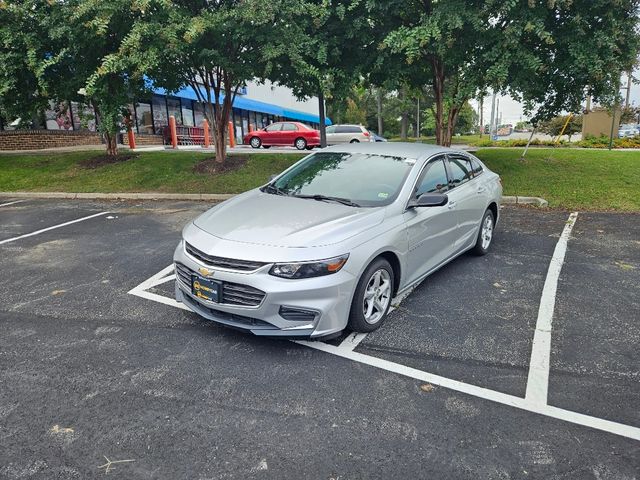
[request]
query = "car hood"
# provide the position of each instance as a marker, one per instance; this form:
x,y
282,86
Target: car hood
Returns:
x,y
264,219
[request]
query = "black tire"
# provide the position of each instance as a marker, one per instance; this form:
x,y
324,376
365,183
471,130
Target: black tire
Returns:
x,y
355,140
255,142
483,245
357,321
309,147
300,143
266,146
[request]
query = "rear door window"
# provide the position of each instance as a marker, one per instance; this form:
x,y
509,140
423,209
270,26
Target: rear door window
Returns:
x,y
476,166
461,170
289,127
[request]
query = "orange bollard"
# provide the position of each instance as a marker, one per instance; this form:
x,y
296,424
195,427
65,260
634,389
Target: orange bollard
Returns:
x,y
174,134
232,136
205,127
132,139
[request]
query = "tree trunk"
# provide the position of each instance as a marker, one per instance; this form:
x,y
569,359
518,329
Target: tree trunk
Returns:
x,y
380,125
438,93
111,141
323,123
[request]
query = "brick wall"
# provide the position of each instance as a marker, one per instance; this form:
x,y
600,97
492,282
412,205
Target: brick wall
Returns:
x,y
143,139
39,139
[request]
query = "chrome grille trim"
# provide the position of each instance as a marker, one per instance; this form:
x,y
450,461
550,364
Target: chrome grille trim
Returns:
x,y
220,262
232,293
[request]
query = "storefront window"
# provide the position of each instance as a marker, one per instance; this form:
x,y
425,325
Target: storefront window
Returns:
x,y
237,122
144,118
160,118
199,113
187,112
173,105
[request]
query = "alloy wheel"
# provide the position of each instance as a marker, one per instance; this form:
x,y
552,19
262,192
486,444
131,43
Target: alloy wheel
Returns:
x,y
377,296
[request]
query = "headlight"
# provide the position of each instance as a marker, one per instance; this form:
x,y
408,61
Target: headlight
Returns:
x,y
309,269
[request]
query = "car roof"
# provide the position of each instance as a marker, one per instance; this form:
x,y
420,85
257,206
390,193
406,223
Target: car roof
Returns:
x,y
400,149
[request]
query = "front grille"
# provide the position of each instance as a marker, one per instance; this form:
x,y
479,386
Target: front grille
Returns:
x,y
230,317
231,294
229,263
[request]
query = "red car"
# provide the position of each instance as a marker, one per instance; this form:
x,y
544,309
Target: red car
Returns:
x,y
284,133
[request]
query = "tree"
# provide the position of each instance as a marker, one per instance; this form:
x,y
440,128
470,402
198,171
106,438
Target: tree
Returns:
x,y
545,53
214,48
555,126
70,55
24,55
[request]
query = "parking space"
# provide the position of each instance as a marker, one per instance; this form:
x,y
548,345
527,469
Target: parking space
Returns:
x,y
90,371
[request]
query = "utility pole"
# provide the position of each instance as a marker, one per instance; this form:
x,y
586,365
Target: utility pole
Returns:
x,y
418,120
380,126
629,79
481,103
492,131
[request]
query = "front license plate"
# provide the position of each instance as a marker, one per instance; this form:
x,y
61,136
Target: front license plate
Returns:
x,y
206,289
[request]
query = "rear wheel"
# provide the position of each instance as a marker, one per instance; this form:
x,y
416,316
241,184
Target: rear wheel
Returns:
x,y
485,234
255,142
355,140
372,298
300,143
309,147
266,146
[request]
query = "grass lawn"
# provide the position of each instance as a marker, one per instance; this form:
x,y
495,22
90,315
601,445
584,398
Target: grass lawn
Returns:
x,y
567,178
170,172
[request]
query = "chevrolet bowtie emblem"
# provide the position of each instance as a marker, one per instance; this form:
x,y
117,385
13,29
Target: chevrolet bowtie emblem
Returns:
x,y
205,271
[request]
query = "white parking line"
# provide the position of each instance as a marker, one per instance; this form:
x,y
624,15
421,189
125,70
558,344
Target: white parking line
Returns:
x,y
11,203
347,346
538,379
52,228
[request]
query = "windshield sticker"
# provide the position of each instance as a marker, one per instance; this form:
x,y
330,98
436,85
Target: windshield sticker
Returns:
x,y
383,195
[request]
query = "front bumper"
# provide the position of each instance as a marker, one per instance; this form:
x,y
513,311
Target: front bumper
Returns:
x,y
328,298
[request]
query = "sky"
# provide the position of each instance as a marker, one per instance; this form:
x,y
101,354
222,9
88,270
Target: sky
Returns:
x,y
512,111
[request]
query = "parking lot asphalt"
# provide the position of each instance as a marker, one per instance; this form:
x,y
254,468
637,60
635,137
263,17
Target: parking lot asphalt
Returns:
x,y
95,381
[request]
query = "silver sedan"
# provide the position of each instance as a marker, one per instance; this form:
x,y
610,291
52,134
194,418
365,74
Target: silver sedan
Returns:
x,y
328,243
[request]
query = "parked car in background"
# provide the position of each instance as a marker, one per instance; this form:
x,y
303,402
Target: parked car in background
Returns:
x,y
376,137
337,134
628,130
328,243
294,134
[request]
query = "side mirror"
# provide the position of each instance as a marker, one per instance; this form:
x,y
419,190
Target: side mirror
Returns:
x,y
430,200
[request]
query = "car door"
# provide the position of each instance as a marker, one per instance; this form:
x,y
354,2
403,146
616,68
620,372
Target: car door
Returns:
x,y
273,135
431,231
466,198
331,135
289,133
342,134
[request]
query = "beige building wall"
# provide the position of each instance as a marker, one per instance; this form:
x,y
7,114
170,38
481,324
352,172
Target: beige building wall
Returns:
x,y
598,123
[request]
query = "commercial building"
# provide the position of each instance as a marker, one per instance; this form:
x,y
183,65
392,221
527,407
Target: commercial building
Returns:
x,y
257,104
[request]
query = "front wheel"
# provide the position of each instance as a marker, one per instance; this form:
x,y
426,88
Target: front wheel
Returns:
x,y
255,142
372,298
485,234
355,140
300,144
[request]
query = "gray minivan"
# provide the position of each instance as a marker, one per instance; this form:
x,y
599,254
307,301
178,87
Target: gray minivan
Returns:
x,y
347,134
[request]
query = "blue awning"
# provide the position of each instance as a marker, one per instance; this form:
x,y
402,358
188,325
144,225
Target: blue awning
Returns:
x,y
254,105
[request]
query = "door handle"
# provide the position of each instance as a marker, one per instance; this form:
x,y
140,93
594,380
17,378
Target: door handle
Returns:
x,y
451,205
481,189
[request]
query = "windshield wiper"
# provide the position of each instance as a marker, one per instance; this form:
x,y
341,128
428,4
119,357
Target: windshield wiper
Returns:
x,y
271,188
325,198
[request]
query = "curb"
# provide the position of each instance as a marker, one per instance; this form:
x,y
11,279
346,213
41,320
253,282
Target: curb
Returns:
x,y
514,200
120,196
517,200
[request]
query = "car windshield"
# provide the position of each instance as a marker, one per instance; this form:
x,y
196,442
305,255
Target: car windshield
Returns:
x,y
358,178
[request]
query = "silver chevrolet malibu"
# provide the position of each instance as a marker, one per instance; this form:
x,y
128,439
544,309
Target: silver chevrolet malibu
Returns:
x,y
328,243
